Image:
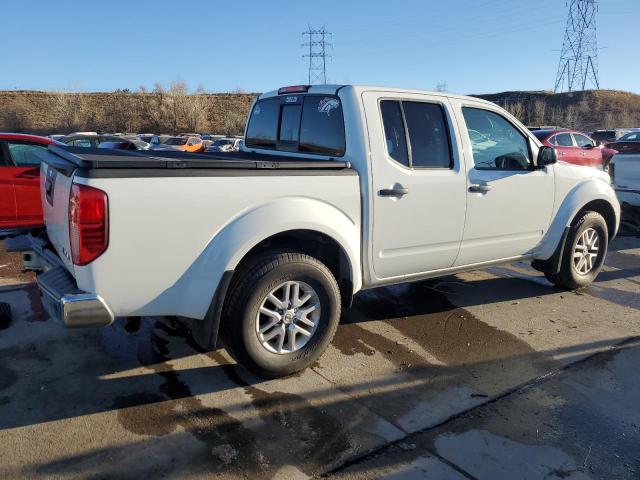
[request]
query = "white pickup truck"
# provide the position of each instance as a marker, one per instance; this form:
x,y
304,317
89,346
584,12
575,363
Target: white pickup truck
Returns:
x,y
337,189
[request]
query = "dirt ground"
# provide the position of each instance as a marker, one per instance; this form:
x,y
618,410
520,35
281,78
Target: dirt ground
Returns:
x,y
488,374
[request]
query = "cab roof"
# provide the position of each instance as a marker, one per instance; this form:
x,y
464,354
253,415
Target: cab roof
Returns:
x,y
332,89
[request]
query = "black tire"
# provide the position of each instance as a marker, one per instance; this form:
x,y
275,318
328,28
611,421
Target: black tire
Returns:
x,y
249,287
568,276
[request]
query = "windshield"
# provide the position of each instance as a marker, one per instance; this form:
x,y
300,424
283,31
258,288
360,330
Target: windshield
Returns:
x,y
176,141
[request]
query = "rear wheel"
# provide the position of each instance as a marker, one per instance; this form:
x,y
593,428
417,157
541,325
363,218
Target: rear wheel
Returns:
x,y
283,311
584,252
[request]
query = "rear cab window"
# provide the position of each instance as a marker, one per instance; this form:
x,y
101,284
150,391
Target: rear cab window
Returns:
x,y
309,123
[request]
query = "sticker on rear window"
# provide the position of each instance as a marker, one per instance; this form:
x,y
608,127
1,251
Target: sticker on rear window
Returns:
x,y
256,111
327,104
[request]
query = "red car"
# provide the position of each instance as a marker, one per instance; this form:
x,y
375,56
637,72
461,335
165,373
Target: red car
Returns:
x,y
629,143
20,206
575,147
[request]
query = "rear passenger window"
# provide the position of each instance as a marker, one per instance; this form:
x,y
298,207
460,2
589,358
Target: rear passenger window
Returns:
x,y
313,124
263,123
24,154
394,132
428,135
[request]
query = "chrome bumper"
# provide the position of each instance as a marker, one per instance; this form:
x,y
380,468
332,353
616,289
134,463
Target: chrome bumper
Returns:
x,y
60,295
72,307
69,305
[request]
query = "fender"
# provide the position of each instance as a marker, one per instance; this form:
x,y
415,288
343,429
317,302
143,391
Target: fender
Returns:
x,y
573,201
196,288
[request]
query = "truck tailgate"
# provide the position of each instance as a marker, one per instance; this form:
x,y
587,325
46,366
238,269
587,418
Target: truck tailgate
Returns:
x,y
55,189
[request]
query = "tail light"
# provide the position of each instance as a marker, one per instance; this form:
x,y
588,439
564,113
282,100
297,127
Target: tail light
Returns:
x,y
88,223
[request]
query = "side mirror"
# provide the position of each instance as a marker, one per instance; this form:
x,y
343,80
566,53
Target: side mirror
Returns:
x,y
546,156
589,147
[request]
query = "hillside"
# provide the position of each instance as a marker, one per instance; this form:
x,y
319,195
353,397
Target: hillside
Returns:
x,y
174,110
162,111
585,110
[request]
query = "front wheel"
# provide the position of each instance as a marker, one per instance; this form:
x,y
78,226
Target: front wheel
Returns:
x,y
282,314
584,252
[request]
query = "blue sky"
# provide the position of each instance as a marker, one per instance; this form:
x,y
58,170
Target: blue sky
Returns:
x,y
475,46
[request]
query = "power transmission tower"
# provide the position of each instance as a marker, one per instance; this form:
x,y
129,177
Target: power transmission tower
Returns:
x,y
579,57
317,54
441,87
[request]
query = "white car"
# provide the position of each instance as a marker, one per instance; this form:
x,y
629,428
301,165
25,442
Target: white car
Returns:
x,y
225,145
340,188
625,172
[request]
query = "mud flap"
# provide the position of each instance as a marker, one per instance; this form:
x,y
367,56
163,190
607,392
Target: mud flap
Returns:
x,y
551,266
205,331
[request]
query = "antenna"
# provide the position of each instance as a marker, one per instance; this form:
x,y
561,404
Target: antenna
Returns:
x,y
579,56
317,54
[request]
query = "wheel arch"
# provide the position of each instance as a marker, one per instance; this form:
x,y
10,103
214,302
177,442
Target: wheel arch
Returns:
x,y
593,195
312,227
605,209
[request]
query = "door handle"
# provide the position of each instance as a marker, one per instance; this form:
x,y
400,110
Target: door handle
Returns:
x,y
563,153
393,192
479,188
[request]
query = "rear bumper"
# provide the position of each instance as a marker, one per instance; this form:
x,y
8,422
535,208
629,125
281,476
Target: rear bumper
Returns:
x,y
72,307
60,295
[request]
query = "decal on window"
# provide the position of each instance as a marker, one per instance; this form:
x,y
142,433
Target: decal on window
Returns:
x,y
256,111
292,99
327,104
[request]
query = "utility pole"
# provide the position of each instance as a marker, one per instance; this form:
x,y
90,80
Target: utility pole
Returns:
x,y
579,56
317,55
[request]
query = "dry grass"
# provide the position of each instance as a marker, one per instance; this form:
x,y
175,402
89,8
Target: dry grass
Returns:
x,y
162,111
586,110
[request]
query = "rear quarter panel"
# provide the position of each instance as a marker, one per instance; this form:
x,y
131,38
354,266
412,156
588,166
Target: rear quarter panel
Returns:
x,y
172,238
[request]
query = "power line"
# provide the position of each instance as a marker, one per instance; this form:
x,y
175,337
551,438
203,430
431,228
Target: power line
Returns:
x,y
579,56
317,54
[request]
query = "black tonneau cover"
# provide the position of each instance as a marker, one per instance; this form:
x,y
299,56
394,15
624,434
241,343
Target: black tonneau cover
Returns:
x,y
67,159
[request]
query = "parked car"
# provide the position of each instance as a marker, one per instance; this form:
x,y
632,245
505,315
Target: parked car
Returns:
x,y
158,140
602,137
183,144
145,137
95,141
575,147
225,145
625,175
20,206
339,188
628,143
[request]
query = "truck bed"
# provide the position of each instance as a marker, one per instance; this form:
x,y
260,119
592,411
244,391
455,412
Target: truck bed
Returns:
x,y
67,159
